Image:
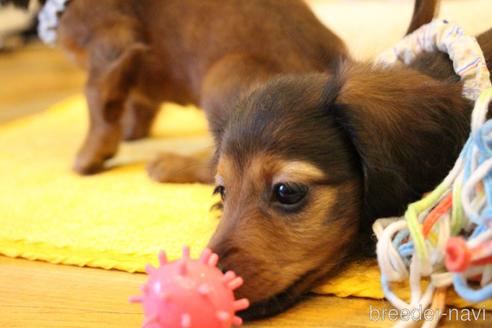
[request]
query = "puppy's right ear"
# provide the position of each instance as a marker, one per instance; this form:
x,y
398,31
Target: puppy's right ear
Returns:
x,y
406,128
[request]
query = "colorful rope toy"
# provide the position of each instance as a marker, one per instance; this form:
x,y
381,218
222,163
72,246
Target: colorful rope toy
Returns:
x,y
447,236
190,293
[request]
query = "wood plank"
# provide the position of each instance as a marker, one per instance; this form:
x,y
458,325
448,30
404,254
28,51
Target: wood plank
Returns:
x,y
38,294
34,78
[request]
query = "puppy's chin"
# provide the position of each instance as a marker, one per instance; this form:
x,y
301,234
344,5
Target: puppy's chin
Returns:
x,y
270,307
291,295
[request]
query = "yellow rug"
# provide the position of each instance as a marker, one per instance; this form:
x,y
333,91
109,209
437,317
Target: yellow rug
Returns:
x,y
118,219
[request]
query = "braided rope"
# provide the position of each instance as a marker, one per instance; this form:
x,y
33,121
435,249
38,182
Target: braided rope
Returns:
x,y
440,35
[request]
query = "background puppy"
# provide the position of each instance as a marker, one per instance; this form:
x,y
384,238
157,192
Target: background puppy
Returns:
x,y
141,53
210,53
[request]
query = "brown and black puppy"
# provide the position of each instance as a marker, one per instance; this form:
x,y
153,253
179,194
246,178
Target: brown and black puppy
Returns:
x,y
307,163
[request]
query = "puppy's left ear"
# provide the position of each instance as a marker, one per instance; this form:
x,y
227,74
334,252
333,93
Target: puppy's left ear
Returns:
x,y
407,129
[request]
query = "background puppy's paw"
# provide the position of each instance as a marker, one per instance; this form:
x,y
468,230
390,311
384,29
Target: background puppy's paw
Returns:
x,y
174,168
85,164
91,159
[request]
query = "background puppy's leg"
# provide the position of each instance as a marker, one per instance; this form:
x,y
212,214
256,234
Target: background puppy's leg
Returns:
x,y
138,117
225,83
104,132
106,91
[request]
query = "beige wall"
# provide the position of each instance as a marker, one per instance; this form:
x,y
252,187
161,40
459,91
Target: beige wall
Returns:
x,y
370,26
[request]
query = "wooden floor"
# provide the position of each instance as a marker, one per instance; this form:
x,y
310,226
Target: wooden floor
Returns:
x,y
38,295
35,78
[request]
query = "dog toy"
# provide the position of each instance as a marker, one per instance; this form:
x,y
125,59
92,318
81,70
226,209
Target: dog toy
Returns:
x,y
446,236
190,293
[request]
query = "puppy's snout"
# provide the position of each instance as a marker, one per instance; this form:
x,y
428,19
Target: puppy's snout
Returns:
x,y
221,267
224,252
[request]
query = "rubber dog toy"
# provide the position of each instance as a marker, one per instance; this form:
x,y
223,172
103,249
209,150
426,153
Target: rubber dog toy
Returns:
x,y
190,293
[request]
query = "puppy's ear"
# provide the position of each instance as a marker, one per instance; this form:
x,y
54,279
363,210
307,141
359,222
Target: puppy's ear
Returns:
x,y
407,129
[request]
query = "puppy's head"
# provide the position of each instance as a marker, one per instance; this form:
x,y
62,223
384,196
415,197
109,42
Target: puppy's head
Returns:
x,y
306,162
290,186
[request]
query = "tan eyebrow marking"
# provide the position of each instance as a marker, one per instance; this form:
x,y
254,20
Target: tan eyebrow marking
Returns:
x,y
298,170
223,171
219,181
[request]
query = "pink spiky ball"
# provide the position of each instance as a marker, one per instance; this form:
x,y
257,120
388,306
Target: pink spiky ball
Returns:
x,y
190,293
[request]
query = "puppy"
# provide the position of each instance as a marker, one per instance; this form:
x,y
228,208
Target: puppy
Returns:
x,y
306,163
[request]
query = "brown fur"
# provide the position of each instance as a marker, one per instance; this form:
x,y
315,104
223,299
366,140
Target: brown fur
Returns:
x,y
381,138
174,168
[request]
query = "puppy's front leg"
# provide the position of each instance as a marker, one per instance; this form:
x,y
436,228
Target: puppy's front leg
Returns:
x,y
107,90
103,136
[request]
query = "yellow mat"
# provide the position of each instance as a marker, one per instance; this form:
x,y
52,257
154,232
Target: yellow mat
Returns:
x,y
118,219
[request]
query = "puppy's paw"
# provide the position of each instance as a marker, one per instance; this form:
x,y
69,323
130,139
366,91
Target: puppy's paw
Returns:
x,y
90,161
86,166
99,146
174,168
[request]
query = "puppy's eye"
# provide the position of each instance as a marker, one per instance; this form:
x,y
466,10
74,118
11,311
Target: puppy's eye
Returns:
x,y
289,193
220,190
